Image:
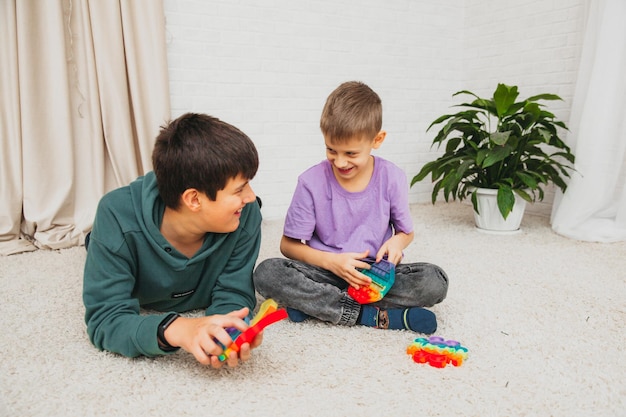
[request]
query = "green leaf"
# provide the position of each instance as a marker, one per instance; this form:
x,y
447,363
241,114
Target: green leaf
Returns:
x,y
546,135
516,106
528,180
570,157
475,202
495,155
460,172
524,195
481,156
504,97
435,192
531,114
465,92
484,106
452,144
426,169
544,97
506,201
500,138
463,122
439,120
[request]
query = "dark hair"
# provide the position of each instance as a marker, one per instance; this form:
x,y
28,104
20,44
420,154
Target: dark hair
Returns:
x,y
202,152
352,109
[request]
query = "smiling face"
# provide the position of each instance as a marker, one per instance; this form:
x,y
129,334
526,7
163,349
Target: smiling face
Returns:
x,y
352,161
223,214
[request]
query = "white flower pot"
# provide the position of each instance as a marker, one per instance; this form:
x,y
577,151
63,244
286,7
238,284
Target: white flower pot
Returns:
x,y
490,219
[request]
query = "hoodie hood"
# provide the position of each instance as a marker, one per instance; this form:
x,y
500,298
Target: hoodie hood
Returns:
x,y
149,209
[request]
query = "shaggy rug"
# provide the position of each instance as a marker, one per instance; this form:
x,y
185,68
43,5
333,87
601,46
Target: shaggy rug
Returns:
x,y
543,318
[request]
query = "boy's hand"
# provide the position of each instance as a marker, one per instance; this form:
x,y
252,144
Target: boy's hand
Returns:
x,y
393,247
198,335
244,353
345,265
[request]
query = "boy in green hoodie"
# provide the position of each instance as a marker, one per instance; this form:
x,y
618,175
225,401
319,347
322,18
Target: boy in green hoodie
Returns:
x,y
185,236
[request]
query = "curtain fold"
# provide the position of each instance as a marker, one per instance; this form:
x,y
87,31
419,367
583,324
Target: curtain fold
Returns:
x,y
593,208
83,96
11,194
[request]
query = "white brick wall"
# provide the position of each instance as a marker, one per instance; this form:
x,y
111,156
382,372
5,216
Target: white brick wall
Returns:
x,y
534,44
267,67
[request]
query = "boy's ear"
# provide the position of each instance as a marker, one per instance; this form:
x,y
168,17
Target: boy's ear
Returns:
x,y
191,199
379,139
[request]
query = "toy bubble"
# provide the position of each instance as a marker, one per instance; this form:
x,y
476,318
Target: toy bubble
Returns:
x,y
383,275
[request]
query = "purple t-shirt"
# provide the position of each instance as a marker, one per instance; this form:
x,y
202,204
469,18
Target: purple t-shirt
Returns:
x,y
331,219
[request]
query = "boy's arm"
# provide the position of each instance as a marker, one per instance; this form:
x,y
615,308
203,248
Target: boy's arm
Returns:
x,y
400,218
111,312
344,265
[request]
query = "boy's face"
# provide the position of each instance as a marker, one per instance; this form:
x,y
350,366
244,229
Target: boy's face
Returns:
x,y
222,215
351,159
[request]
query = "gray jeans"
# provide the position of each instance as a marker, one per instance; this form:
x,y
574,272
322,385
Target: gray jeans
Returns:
x,y
321,294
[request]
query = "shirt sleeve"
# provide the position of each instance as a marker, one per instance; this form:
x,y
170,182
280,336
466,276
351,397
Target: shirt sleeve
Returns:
x,y
111,313
300,217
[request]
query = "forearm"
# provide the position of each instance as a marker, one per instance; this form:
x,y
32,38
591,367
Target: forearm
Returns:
x,y
112,315
404,239
299,251
130,335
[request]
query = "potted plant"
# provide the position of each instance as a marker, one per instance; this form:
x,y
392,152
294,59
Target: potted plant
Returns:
x,y
509,148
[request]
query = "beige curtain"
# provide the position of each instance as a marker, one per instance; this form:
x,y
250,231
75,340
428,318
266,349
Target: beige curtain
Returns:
x,y
83,90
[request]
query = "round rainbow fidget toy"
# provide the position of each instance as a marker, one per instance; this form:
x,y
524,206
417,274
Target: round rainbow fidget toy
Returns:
x,y
437,352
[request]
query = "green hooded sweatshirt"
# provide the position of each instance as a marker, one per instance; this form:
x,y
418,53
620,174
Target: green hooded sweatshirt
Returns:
x,y
131,268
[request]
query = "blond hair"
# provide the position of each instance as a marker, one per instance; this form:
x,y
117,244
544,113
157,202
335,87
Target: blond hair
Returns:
x,y
351,110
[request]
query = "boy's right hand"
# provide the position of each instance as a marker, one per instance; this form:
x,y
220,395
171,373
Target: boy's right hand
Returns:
x,y
347,265
198,335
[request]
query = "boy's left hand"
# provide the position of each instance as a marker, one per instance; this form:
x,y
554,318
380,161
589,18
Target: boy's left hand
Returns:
x,y
393,248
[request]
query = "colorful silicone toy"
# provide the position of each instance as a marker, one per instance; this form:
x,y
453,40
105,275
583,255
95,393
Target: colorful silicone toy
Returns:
x,y
383,275
437,352
268,314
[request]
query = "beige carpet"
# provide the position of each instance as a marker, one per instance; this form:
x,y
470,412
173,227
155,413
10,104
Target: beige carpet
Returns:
x,y
543,318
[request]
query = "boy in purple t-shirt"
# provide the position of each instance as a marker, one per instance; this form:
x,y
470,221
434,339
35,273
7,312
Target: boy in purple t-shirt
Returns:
x,y
345,210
